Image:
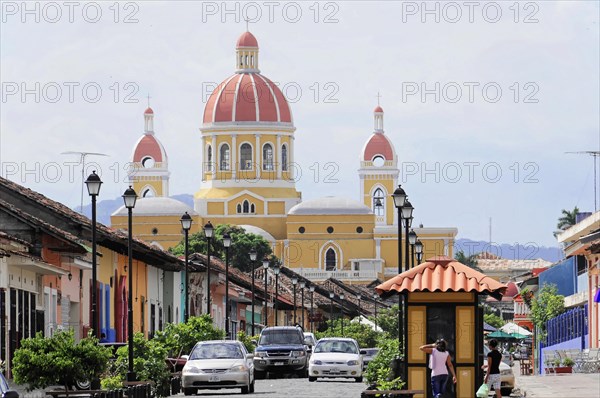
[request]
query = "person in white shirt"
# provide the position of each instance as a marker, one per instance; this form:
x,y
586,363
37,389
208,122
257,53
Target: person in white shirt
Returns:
x,y
439,363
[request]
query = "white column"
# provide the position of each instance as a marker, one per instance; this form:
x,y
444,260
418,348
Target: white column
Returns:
x,y
378,248
215,157
279,158
258,155
234,160
291,158
445,246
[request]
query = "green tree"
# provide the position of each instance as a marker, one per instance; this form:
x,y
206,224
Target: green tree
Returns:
x,y
387,320
470,261
41,362
493,320
241,244
364,335
380,372
567,219
547,304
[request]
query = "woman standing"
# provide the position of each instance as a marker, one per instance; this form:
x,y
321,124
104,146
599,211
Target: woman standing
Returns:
x,y
439,363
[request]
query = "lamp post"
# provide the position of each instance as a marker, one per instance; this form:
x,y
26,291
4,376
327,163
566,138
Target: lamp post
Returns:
x,y
253,259
93,184
399,197
419,250
302,286
412,240
407,211
294,283
331,295
276,270
186,224
129,197
226,244
375,297
358,297
342,296
208,232
265,264
311,289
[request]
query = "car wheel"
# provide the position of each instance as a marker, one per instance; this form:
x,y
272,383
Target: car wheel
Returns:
x,y
83,384
303,374
258,375
358,379
252,387
246,390
189,391
312,378
506,391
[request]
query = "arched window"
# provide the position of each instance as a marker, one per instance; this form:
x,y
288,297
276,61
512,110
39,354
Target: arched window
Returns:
x,y
246,156
224,158
284,158
246,207
209,158
239,208
330,260
252,208
267,157
378,202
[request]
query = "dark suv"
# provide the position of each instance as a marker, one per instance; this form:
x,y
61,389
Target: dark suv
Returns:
x,y
281,349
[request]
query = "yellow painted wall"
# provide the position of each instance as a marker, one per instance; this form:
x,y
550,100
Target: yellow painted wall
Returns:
x,y
259,207
140,183
417,380
387,182
276,207
215,208
465,339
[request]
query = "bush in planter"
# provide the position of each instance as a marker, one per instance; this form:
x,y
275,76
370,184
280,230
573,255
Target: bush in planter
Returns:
x,y
568,362
379,373
41,362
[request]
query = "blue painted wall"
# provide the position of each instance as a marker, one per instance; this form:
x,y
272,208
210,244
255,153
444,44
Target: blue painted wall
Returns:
x,y
563,275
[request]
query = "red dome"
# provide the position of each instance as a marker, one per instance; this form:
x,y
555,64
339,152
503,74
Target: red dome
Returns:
x,y
378,145
247,39
378,109
148,111
247,97
148,145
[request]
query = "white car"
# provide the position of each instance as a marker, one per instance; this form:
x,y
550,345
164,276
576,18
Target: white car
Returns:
x,y
218,364
336,357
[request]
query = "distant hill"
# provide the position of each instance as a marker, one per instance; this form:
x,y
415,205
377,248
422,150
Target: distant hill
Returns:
x,y
512,252
106,207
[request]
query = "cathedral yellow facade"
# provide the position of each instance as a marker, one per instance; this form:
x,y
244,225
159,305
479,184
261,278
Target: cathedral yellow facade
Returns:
x,y
248,169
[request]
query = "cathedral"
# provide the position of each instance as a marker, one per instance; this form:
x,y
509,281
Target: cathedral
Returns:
x,y
247,141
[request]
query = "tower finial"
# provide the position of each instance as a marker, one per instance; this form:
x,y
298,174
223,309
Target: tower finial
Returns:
x,y
247,22
378,97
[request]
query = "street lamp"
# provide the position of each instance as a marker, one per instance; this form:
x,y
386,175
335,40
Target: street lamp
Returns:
x,y
129,197
331,295
265,264
186,224
226,244
93,184
253,259
294,283
399,197
276,270
419,251
358,297
375,297
342,296
302,286
208,232
412,240
311,289
407,211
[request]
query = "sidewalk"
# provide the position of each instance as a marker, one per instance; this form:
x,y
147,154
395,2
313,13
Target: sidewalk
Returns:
x,y
573,385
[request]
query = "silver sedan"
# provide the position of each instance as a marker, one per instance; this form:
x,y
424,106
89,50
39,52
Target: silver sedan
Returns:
x,y
218,364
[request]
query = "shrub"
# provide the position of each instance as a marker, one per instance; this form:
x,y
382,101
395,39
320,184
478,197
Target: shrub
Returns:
x,y
364,335
111,383
180,338
247,340
380,372
568,362
41,362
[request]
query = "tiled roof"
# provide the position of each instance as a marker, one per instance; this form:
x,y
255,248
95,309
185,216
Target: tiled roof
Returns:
x,y
500,264
441,274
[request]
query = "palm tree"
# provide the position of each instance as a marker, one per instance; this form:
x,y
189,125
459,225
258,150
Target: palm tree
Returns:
x,y
470,261
567,220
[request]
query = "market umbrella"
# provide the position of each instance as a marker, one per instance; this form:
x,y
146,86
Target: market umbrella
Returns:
x,y
500,335
488,328
518,336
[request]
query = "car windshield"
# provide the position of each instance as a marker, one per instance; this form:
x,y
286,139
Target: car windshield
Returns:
x,y
310,340
336,346
271,337
372,352
217,351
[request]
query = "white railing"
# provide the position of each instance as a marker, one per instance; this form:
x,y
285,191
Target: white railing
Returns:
x,y
320,275
389,271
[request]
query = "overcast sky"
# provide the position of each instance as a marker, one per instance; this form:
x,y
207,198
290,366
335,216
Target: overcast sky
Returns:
x,y
481,99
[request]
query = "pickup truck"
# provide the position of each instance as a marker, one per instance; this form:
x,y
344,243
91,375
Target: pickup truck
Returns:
x,y
281,349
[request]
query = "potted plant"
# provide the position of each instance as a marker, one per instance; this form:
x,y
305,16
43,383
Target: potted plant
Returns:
x,y
566,366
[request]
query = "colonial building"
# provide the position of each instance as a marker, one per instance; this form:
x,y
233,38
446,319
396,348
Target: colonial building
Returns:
x,y
247,143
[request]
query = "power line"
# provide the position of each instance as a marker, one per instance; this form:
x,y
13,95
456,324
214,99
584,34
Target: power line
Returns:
x,y
595,155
